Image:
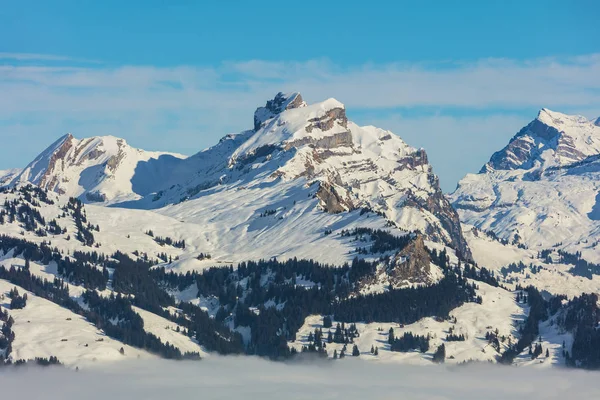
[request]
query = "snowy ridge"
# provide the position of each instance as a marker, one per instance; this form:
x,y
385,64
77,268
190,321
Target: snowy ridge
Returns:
x,y
97,169
542,189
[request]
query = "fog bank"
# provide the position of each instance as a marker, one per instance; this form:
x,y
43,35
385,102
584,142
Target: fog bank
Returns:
x,y
250,378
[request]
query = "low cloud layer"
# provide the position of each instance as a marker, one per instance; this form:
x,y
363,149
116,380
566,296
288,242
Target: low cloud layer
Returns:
x,y
249,378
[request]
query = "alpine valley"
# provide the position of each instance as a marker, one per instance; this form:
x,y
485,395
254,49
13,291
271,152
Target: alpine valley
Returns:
x,y
304,236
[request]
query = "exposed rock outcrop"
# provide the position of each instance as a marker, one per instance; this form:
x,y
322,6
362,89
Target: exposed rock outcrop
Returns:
x,y
331,201
325,122
326,143
412,264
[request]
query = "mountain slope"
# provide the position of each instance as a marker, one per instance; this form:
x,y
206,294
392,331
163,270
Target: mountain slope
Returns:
x,y
7,175
543,189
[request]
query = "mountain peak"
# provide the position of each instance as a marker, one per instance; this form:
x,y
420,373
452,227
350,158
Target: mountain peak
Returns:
x,y
557,119
552,139
281,102
99,167
288,122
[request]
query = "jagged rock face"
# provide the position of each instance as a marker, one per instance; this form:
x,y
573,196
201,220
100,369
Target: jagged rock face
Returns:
x,y
412,263
438,205
332,201
325,122
544,186
342,139
410,266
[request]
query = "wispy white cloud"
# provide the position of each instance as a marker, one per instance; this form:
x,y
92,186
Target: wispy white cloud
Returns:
x,y
31,56
485,83
197,105
40,57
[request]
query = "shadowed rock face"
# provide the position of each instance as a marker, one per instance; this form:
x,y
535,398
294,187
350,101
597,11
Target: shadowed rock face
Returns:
x,y
331,201
411,265
48,180
326,122
438,205
419,158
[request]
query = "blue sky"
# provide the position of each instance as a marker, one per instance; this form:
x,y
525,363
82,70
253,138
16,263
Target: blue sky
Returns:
x,y
458,78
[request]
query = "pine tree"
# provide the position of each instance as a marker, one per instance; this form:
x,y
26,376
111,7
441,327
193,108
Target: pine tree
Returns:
x,y
440,354
391,336
355,351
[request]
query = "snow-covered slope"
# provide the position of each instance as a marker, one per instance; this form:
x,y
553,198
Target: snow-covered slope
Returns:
x,y
44,329
97,169
7,175
545,273
497,311
543,188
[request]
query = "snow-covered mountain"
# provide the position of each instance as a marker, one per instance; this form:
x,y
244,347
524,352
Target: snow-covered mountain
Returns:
x,y
294,150
326,221
543,189
98,169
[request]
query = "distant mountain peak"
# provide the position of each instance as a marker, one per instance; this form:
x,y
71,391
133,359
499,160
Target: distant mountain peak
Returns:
x,y
552,139
541,189
98,167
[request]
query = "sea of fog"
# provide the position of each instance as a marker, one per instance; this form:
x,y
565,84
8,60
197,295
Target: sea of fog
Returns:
x,y
251,378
